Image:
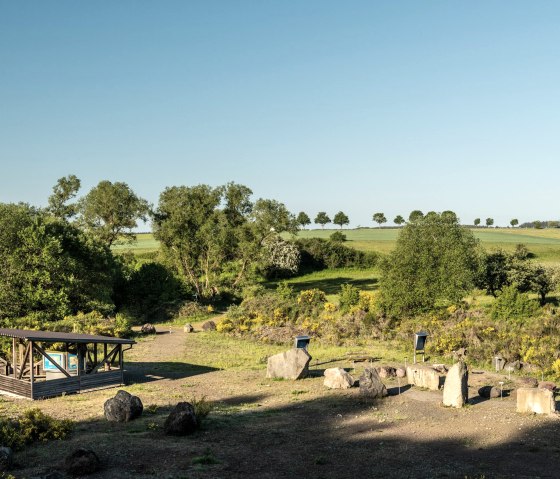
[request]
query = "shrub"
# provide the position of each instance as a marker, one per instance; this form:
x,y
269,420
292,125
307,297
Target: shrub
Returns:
x,y
317,254
513,305
349,296
338,236
32,426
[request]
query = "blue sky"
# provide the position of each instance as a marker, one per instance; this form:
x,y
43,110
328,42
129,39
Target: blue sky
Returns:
x,y
359,106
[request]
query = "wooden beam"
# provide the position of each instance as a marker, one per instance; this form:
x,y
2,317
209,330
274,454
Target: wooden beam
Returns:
x,y
44,353
106,358
31,371
14,358
24,361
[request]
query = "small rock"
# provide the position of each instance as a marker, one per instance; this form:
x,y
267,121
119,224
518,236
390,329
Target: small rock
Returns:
x,y
209,326
400,372
188,328
371,385
489,392
181,420
513,366
123,407
547,385
6,458
82,462
386,372
338,378
148,328
528,382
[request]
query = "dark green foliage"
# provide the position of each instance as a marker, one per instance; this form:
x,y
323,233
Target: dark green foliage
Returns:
x,y
341,219
322,219
153,293
494,274
51,268
65,189
32,426
513,305
317,254
415,215
338,236
399,220
379,218
349,296
434,263
303,219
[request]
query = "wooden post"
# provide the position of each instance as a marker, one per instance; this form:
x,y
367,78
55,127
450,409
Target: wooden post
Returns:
x,y
80,355
107,367
121,363
14,357
31,365
94,355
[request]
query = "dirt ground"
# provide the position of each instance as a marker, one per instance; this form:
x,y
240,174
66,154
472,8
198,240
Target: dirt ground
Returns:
x,y
263,428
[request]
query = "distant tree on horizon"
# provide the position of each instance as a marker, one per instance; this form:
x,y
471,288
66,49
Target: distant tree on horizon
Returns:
x,y
489,221
322,219
415,215
302,219
514,222
399,220
379,218
477,221
341,219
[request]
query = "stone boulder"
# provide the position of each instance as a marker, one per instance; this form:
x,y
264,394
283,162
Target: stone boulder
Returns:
x,y
386,372
209,326
528,382
6,458
148,328
82,462
400,372
535,400
371,385
338,378
188,328
181,421
440,368
123,407
456,389
547,385
423,377
513,366
293,364
489,392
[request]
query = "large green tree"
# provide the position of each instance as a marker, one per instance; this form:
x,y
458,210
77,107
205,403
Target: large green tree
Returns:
x,y
379,218
110,212
66,188
341,219
303,219
435,262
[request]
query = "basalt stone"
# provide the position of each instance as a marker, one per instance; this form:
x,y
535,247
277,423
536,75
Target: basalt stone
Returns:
x,y
181,421
209,326
82,462
123,407
148,328
371,385
489,392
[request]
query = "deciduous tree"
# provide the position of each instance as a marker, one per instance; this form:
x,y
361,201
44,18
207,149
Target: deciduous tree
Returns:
x,y
379,218
399,220
477,221
341,219
489,221
303,220
514,222
66,188
322,219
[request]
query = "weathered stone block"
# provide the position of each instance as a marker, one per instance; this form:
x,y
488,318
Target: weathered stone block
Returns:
x,y
371,385
456,389
292,364
535,400
423,377
338,378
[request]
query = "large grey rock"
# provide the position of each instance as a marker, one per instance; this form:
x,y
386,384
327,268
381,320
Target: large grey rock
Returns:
x,y
535,400
188,328
292,364
423,377
181,421
123,407
456,389
371,385
489,392
209,326
82,462
148,328
6,458
400,372
338,378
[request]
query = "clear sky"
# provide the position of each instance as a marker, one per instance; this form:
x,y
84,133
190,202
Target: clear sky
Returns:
x,y
360,106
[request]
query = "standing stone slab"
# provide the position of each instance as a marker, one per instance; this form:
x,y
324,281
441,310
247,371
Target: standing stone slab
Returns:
x,y
535,400
456,389
371,385
423,377
293,364
338,378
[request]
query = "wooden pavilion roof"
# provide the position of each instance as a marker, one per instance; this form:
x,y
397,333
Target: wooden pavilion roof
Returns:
x,y
57,337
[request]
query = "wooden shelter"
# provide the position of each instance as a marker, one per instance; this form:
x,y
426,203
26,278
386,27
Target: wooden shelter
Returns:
x,y
81,362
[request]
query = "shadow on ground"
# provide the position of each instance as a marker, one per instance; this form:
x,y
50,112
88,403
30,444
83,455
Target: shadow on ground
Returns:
x,y
141,372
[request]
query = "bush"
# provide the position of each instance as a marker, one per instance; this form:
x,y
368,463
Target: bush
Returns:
x,y
32,426
338,236
349,296
513,305
317,254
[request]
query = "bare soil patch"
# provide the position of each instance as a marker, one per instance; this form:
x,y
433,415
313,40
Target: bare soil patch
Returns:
x,y
274,429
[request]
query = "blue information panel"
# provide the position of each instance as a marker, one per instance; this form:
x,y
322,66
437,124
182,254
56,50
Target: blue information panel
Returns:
x,y
61,359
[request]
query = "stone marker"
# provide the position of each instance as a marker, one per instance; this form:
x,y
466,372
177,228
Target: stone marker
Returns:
x,y
338,378
423,377
489,392
293,364
82,462
123,407
181,420
528,382
188,328
535,400
371,385
456,389
386,372
209,326
400,372
148,328
6,458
